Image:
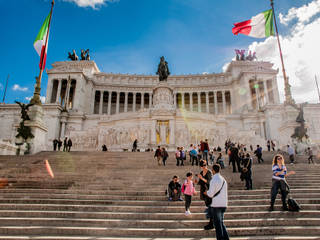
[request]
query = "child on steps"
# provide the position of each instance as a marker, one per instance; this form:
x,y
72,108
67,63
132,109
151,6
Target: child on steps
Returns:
x,y
188,190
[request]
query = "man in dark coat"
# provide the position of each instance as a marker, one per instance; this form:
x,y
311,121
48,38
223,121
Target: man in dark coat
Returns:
x,y
69,144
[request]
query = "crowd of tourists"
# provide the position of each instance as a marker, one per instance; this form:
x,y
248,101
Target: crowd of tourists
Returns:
x,y
213,187
57,144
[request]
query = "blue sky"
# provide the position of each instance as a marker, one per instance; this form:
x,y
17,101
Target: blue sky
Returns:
x,y
129,36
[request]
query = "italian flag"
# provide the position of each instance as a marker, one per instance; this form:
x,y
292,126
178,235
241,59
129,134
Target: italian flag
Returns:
x,y
40,42
259,26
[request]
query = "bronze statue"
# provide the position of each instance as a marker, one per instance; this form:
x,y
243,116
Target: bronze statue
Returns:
x,y
24,109
300,132
85,55
73,56
163,70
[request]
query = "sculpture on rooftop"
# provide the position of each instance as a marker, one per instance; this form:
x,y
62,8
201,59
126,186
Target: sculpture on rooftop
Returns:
x,y
163,70
85,55
73,56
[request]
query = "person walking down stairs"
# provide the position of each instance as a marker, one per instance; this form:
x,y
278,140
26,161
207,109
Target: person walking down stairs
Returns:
x,y
188,190
157,155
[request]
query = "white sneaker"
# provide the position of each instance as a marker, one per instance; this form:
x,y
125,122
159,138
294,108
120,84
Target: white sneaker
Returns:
x,y
187,213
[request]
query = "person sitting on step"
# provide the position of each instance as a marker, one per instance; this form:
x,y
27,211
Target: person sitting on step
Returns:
x,y
174,189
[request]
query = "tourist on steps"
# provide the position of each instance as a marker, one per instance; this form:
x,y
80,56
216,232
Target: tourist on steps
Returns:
x,y
258,153
310,155
291,154
247,171
218,191
55,143
157,155
59,144
188,190
178,156
65,144
164,155
279,181
174,190
204,180
135,145
69,144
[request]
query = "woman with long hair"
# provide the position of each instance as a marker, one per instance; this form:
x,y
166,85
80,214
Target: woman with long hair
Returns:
x,y
280,173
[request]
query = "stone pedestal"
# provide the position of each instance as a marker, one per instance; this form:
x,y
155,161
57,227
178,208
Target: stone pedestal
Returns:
x,y
38,129
288,125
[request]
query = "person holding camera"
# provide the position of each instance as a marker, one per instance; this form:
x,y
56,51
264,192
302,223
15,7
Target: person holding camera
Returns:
x,y
204,180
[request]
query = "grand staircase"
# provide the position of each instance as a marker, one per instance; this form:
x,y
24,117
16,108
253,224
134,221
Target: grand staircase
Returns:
x,y
108,195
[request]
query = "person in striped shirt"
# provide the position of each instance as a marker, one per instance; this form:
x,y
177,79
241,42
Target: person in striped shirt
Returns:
x,y
279,170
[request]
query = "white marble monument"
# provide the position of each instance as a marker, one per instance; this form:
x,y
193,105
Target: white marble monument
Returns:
x,y
94,108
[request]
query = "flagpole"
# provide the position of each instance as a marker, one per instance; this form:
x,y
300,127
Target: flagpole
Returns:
x,y
36,95
5,90
315,76
289,99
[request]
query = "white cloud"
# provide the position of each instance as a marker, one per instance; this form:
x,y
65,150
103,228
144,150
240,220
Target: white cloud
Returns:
x,y
42,98
303,14
91,3
16,87
300,49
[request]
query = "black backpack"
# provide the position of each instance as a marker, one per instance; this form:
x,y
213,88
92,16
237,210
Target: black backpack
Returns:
x,y
293,205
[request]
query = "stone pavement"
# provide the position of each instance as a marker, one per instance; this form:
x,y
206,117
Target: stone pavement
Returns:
x,y
108,195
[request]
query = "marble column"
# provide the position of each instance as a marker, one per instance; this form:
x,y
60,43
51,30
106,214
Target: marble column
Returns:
x,y
224,102
126,102
142,100
172,132
66,96
215,102
109,102
207,102
153,132
199,102
134,102
59,91
257,95
150,100
191,103
118,103
49,91
182,96
265,89
94,100
175,100
63,129
101,102
262,130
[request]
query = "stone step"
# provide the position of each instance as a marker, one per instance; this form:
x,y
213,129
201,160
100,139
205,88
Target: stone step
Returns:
x,y
157,199
60,237
168,224
125,192
156,216
159,232
144,201
139,209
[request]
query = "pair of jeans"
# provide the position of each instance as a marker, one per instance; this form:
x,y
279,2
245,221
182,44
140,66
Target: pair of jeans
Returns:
x,y
218,215
276,185
205,155
164,159
187,199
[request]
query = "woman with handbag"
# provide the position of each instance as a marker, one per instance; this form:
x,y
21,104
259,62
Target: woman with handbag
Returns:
x,y
247,171
204,180
279,182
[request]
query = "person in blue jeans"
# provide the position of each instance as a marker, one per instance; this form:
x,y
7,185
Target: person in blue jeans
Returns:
x,y
218,191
